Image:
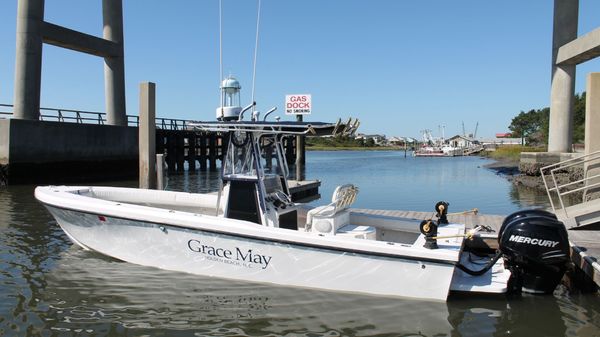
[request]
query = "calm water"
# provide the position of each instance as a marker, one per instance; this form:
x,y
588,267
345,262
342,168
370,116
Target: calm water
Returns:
x,y
50,288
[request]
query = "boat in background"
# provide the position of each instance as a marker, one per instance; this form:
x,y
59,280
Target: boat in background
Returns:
x,y
452,147
438,151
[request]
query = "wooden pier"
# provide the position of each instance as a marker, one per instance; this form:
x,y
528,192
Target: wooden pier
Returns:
x,y
585,244
201,149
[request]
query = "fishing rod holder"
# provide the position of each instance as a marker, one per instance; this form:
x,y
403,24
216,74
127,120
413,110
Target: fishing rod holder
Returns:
x,y
441,212
429,229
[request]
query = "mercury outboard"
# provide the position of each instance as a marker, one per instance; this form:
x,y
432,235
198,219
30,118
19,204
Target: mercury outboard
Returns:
x,y
535,248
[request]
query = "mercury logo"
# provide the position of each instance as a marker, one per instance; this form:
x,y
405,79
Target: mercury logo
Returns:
x,y
533,241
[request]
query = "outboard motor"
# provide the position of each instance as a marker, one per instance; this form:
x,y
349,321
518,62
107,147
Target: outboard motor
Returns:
x,y
535,248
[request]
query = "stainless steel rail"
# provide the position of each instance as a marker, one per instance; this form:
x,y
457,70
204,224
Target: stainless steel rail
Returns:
x,y
556,190
93,117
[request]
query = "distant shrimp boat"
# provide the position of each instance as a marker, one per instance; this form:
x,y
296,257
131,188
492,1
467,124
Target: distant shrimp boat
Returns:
x,y
436,151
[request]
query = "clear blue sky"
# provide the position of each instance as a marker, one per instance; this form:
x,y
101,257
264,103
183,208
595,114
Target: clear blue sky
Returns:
x,y
399,66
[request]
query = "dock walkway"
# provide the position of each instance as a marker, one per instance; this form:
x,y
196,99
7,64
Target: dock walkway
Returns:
x,y
585,244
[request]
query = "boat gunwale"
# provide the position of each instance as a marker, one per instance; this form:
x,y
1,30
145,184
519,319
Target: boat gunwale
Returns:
x,y
330,242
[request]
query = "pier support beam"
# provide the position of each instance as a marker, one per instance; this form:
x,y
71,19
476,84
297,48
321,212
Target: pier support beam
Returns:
x,y
28,61
147,135
33,32
114,66
592,139
566,13
592,113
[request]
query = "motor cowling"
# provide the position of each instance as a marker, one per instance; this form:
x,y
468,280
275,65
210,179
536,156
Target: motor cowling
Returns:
x,y
523,214
535,248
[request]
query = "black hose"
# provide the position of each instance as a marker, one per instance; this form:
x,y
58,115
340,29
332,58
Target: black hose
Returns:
x,y
487,267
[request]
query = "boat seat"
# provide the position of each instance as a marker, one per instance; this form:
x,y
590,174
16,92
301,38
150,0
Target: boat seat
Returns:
x,y
334,218
358,232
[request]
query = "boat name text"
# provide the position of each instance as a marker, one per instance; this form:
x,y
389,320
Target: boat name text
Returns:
x,y
533,241
246,258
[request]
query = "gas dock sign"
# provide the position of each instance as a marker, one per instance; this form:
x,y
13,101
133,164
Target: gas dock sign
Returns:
x,y
298,104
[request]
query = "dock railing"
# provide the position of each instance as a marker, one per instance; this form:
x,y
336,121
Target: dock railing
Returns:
x,y
93,117
558,189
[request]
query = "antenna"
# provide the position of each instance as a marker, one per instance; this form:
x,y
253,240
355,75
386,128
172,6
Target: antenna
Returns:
x,y
463,127
255,53
475,133
221,53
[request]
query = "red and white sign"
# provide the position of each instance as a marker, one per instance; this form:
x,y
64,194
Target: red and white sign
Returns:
x,y
298,104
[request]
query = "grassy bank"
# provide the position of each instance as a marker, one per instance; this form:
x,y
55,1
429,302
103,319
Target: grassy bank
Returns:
x,y
345,144
511,152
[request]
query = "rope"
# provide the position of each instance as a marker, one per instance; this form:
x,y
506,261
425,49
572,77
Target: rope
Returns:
x,y
474,211
255,53
468,235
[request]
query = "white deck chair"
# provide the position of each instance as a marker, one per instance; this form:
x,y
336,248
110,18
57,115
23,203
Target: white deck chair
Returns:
x,y
329,218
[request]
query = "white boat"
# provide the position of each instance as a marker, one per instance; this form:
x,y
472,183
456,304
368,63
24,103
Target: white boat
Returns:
x,y
251,230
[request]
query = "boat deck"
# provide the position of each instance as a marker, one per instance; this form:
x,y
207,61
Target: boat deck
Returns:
x,y
585,244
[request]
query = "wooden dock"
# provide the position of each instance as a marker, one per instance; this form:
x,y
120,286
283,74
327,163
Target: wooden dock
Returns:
x,y
585,244
304,191
191,147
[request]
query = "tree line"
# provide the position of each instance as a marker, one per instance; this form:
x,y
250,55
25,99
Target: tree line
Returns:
x,y
339,141
532,126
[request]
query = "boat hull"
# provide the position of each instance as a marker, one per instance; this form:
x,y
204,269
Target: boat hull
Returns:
x,y
240,257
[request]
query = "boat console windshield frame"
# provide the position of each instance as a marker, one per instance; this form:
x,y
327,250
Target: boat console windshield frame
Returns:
x,y
252,188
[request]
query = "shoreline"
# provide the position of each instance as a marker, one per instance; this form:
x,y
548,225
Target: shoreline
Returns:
x,y
345,148
510,170
507,167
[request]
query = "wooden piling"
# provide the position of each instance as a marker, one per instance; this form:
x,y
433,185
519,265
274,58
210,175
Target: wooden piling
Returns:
x,y
203,152
147,136
171,151
191,154
212,151
160,172
299,154
180,151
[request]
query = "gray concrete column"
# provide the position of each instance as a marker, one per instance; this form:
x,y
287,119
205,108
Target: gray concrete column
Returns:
x,y
562,91
147,135
28,60
114,67
592,113
592,139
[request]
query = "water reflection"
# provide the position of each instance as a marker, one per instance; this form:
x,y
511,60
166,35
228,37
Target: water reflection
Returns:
x,y
87,291
195,182
527,197
28,246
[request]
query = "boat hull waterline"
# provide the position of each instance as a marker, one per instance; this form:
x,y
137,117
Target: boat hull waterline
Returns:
x,y
227,256
162,229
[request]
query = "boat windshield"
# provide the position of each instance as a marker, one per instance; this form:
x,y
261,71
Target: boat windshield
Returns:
x,y
241,161
240,158
271,156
